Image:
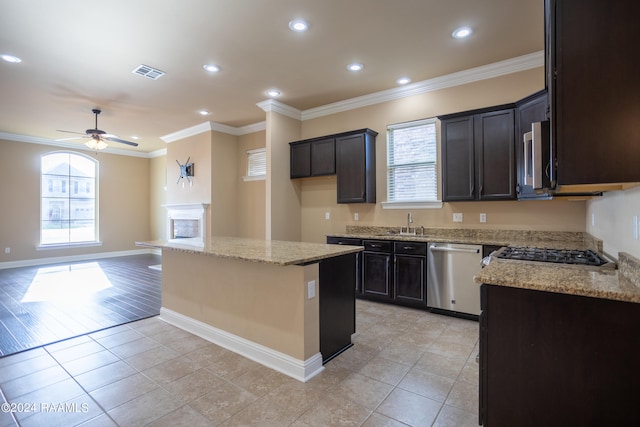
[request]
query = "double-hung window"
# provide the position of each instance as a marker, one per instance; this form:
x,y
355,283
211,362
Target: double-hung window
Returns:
x,y
68,202
412,169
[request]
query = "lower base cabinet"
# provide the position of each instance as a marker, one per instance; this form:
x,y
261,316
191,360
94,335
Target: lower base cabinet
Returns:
x,y
376,270
410,274
549,359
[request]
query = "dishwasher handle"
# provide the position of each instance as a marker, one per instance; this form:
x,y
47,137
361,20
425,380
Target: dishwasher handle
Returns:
x,y
445,249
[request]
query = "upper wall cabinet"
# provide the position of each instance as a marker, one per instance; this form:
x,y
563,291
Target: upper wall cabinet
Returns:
x,y
593,77
315,157
349,155
478,157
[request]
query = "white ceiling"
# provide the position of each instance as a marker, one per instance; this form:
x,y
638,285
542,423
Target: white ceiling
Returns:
x,y
79,54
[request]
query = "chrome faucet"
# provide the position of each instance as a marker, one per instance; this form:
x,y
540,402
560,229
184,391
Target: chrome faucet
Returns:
x,y
409,221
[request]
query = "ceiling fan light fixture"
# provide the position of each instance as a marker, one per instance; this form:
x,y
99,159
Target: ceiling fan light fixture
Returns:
x,y
96,144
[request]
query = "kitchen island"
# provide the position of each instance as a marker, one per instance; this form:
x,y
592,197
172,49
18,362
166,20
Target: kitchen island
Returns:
x,y
559,344
287,305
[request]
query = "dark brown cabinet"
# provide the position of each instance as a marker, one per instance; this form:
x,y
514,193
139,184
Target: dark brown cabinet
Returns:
x,y
529,110
376,270
356,167
349,155
550,359
335,240
312,158
410,274
594,89
478,155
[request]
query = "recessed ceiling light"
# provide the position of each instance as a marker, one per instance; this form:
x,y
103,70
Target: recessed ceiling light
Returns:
x,y
135,137
212,68
204,112
462,32
299,25
274,93
11,58
355,67
403,80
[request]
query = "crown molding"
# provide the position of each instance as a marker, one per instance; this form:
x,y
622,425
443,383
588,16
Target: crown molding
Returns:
x,y
79,147
509,66
279,107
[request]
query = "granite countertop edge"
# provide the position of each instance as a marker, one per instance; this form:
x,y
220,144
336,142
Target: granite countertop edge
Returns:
x,y
274,252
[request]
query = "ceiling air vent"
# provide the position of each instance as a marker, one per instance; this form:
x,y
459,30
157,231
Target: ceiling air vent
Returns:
x,y
148,72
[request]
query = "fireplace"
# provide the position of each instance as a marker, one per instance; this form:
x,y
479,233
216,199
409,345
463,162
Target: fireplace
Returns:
x,y
187,223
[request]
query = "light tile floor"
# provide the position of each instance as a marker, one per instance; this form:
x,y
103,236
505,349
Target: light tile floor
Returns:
x,y
407,367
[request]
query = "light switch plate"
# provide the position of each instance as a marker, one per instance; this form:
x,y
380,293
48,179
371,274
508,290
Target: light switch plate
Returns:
x,y
311,289
483,217
327,215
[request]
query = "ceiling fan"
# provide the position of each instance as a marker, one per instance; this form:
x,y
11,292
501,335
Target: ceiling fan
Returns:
x,y
98,138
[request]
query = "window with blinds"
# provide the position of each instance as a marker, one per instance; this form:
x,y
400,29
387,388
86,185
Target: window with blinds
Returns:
x,y
256,164
412,170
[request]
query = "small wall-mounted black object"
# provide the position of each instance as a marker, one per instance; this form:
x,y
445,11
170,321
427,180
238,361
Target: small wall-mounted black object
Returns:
x,y
186,170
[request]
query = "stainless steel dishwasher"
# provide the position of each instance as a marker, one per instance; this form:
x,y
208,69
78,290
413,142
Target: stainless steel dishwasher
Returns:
x,y
450,271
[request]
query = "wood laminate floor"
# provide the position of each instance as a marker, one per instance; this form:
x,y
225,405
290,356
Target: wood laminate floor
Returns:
x,y
44,304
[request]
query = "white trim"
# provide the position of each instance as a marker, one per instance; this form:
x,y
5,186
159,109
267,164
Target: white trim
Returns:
x,y
185,133
73,258
55,246
279,107
158,153
69,145
411,205
301,370
254,178
509,66
213,126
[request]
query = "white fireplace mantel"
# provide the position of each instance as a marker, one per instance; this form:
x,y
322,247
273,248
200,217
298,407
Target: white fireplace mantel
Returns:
x,y
187,211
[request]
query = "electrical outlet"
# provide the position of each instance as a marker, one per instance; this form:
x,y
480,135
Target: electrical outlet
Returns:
x,y
327,215
483,217
7,250
356,216
457,217
311,289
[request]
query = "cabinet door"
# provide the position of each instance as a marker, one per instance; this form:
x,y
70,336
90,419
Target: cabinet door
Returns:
x,y
531,110
355,169
458,159
300,160
376,275
323,157
595,98
410,280
495,155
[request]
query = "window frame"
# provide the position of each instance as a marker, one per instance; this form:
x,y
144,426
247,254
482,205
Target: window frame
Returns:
x,y
256,177
413,204
69,196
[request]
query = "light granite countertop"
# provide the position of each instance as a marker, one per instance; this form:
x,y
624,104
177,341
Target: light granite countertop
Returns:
x,y
275,252
540,239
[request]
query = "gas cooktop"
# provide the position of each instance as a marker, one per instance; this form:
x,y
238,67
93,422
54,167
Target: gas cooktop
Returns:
x,y
559,256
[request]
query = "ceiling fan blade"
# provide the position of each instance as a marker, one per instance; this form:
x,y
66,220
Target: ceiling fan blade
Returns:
x,y
122,141
69,139
70,131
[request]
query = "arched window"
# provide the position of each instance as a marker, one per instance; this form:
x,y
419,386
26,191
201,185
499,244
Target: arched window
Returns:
x,y
68,199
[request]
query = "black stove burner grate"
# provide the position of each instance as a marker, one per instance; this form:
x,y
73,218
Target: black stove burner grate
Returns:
x,y
560,256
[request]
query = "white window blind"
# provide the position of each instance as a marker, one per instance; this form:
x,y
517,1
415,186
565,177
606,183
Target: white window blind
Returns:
x,y
412,170
256,164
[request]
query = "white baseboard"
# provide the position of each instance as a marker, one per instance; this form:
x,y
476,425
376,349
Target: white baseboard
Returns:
x,y
74,258
301,370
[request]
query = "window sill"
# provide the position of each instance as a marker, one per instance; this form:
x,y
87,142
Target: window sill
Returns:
x,y
254,178
411,205
67,246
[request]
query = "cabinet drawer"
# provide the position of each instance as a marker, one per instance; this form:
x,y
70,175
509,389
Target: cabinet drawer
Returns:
x,y
410,248
378,246
333,240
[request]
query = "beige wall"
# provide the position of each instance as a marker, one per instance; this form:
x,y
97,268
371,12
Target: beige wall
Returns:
x,y
283,220
198,149
318,195
251,194
224,184
158,198
260,302
124,211
612,217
